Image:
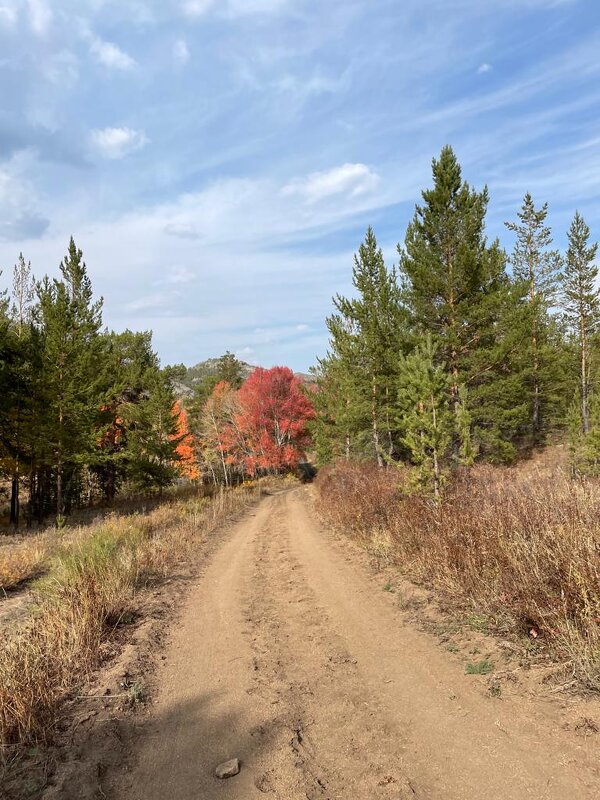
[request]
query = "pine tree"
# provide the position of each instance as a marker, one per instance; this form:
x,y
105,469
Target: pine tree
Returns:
x,y
335,428
580,300
153,435
456,289
72,355
537,267
426,419
131,365
229,369
365,339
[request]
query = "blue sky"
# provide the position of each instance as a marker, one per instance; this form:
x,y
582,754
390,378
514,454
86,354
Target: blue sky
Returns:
x,y
219,161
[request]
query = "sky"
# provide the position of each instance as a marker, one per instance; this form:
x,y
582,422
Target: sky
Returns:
x,y
218,161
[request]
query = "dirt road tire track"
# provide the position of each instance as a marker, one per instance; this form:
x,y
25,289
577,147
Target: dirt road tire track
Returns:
x,y
285,657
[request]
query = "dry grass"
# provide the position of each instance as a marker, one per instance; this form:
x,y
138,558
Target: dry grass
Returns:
x,y
21,561
92,577
522,546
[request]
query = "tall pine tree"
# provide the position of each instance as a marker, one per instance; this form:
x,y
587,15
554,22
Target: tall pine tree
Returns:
x,y
72,354
366,337
536,266
456,289
581,303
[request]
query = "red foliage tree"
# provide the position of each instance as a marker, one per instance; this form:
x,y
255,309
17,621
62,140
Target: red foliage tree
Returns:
x,y
272,421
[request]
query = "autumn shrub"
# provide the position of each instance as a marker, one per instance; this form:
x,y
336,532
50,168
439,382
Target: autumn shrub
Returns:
x,y
525,552
93,577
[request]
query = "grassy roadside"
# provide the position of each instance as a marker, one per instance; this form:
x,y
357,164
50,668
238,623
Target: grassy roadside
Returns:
x,y
92,577
520,548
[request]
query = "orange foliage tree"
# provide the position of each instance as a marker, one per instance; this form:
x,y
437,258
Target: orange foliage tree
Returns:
x,y
187,461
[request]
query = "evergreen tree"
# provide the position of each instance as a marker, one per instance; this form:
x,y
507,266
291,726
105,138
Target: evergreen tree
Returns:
x,y
456,289
153,435
426,419
335,428
229,370
72,364
132,364
580,300
537,267
366,335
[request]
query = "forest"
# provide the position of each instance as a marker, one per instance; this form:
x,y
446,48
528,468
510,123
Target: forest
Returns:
x,y
87,414
460,353
463,352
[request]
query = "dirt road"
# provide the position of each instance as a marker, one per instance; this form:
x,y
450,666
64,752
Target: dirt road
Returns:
x,y
287,656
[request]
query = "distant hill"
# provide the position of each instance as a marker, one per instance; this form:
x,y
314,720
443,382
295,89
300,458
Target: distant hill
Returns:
x,y
196,374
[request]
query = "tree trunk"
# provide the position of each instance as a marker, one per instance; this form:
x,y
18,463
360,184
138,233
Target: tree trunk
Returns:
x,y
14,500
375,426
59,464
388,423
59,490
347,434
536,408
436,465
585,412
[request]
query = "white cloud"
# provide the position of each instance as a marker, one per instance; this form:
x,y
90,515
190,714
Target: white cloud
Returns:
x,y
305,87
117,142
61,69
182,230
40,16
157,301
8,16
180,275
111,56
20,218
302,327
238,8
181,52
197,8
483,68
232,8
350,179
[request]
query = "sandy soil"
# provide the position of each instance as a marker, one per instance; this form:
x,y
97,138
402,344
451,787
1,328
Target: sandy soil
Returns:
x,y
286,657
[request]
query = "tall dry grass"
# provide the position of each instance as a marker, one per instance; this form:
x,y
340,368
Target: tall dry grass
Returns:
x,y
92,579
521,546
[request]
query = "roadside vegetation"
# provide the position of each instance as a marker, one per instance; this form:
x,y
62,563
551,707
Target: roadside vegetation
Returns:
x,y
449,377
517,546
93,575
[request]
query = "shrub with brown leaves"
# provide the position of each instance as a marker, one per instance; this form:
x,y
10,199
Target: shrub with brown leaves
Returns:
x,y
526,550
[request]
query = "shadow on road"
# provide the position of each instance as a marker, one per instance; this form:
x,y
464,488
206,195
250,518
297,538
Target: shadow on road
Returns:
x,y
173,755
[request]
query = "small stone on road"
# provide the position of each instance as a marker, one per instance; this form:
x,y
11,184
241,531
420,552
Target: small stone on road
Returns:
x,y
228,768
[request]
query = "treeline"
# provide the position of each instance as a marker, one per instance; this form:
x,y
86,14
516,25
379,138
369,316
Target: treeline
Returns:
x,y
462,351
84,412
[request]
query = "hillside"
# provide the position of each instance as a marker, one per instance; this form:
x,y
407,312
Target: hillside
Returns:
x,y
203,369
